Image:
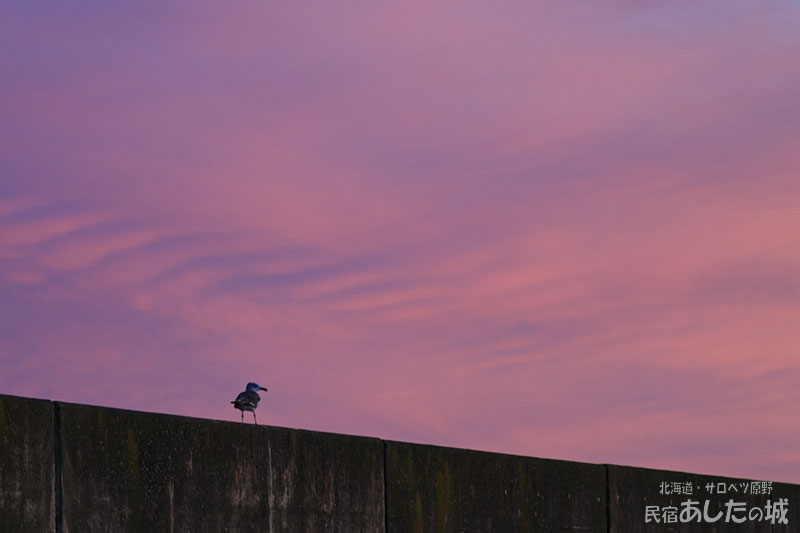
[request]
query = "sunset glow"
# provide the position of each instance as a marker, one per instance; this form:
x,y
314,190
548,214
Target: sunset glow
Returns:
x,y
557,229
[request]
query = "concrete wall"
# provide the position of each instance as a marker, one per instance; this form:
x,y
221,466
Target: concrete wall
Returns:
x,y
27,497
76,468
430,488
130,471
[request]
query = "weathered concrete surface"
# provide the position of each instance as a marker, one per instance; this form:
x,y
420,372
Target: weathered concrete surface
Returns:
x,y
326,482
132,471
431,488
26,465
792,495
631,490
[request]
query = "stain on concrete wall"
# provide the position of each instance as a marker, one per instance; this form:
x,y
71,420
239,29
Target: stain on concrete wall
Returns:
x,y
131,471
26,465
435,489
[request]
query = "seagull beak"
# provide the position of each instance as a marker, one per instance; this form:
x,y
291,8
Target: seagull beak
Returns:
x,y
263,388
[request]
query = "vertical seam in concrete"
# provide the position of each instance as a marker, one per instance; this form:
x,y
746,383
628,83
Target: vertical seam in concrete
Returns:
x,y
271,494
608,501
59,525
385,491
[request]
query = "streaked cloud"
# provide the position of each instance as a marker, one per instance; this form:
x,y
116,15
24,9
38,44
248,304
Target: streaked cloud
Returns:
x,y
564,230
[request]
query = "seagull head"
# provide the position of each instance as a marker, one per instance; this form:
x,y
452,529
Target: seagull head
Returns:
x,y
255,387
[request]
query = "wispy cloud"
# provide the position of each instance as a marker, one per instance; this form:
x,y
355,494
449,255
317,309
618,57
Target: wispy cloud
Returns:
x,y
549,229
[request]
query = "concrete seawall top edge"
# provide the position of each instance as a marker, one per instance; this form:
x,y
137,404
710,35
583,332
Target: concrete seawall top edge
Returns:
x,y
389,442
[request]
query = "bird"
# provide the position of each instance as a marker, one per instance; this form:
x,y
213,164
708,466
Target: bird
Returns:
x,y
248,400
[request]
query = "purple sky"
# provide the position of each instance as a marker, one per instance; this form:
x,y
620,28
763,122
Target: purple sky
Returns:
x,y
559,229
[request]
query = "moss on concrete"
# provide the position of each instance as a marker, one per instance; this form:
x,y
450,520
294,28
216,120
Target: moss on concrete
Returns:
x,y
436,489
131,471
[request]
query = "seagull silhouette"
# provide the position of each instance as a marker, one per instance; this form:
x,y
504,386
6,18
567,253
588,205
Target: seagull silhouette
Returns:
x,y
248,400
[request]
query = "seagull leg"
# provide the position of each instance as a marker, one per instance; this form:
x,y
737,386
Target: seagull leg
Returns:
x,y
242,417
255,420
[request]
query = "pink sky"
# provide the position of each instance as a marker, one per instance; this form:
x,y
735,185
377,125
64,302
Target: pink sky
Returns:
x,y
558,229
